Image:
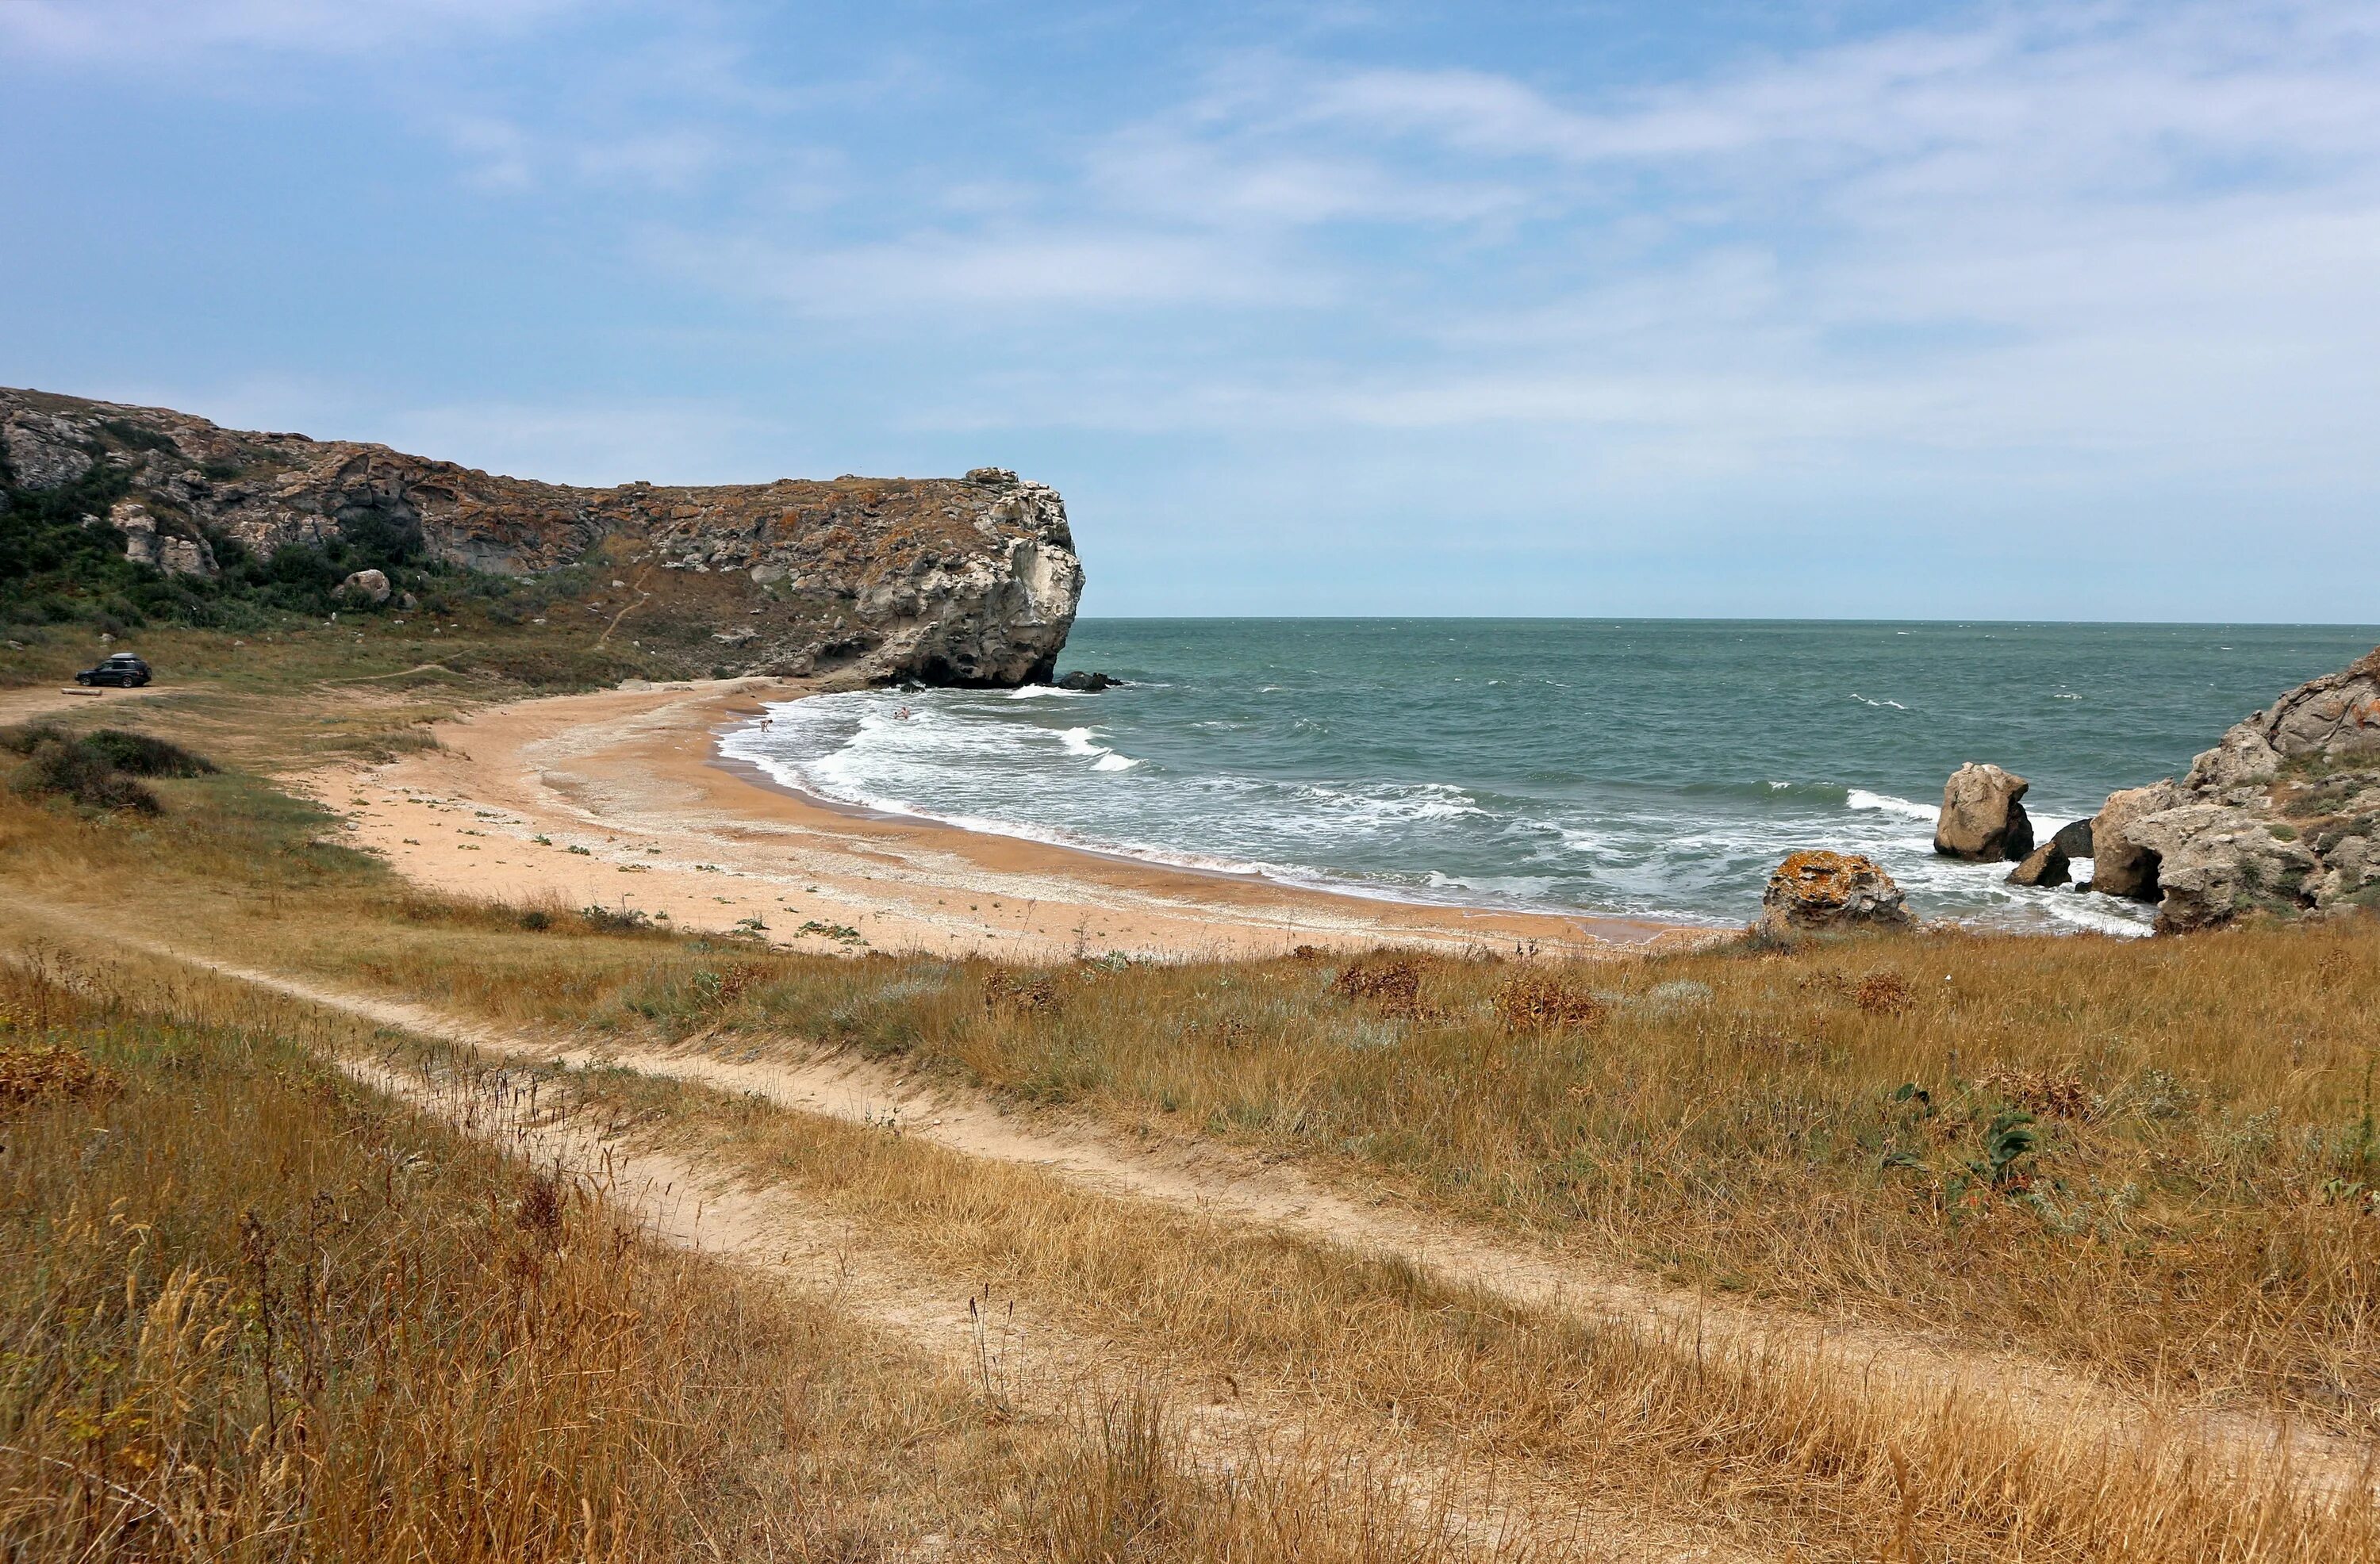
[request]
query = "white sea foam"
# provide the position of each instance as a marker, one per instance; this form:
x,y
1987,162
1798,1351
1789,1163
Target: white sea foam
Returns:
x,y
1879,704
1861,798
1008,763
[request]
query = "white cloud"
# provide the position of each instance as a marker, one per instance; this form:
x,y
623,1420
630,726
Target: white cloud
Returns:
x,y
115,32
993,272
2124,235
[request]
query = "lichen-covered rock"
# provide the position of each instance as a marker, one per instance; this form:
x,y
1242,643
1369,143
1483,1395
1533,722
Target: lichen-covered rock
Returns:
x,y
2278,818
42,450
949,581
2045,867
1982,820
1817,892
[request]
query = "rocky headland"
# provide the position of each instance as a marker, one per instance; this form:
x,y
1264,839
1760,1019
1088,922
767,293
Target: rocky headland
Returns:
x,y
2278,817
967,581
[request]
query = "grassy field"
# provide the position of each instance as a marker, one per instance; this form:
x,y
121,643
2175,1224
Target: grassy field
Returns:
x,y
2152,1161
249,1310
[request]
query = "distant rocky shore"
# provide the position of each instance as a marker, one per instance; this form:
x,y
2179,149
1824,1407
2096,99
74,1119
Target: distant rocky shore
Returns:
x,y
2278,819
948,581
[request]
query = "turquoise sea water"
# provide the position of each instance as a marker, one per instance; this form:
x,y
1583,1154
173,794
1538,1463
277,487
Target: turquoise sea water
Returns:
x,y
1647,766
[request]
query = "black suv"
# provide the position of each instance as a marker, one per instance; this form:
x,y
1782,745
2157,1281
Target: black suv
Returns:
x,y
124,671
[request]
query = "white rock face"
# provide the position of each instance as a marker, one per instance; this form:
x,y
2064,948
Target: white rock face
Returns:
x,y
42,452
144,544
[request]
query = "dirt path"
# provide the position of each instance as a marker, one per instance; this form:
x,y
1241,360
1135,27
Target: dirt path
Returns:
x,y
27,702
1220,1182
1016,1356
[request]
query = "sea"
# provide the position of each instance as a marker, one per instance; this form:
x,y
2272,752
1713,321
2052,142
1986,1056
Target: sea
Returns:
x,y
1651,767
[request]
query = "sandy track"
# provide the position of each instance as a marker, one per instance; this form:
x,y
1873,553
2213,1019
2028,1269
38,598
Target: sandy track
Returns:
x,y
1223,1182
1011,1353
27,702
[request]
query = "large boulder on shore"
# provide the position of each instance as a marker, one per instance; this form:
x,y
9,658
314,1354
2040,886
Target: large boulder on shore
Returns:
x,y
1819,892
2279,816
1981,819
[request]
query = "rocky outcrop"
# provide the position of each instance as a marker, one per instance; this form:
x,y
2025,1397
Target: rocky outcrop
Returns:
x,y
43,449
143,544
2074,839
952,581
1981,819
2045,867
2280,816
1820,892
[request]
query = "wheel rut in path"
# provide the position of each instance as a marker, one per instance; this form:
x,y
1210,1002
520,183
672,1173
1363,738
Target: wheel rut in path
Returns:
x,y
1233,1186
1016,1356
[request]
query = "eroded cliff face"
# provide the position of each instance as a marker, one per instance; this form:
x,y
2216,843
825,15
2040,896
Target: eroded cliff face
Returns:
x,y
2283,815
953,581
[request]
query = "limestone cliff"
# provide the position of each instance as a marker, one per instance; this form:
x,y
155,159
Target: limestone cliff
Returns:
x,y
2280,816
950,581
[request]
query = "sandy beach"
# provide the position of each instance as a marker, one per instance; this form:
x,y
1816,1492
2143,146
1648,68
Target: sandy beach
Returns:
x,y
618,798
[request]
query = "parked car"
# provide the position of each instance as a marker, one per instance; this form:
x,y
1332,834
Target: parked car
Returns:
x,y
123,670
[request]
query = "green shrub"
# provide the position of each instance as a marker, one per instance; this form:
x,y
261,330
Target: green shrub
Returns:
x,y
79,772
141,755
99,768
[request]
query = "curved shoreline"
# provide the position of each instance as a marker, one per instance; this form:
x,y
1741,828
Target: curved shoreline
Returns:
x,y
639,807
758,776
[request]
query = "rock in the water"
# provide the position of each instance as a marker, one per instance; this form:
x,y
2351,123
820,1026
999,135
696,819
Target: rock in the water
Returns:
x,y
1088,683
1820,890
2074,839
2278,817
2044,865
366,586
1982,818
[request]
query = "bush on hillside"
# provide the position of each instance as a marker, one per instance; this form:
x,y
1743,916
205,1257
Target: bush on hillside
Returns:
x,y
98,770
76,771
143,755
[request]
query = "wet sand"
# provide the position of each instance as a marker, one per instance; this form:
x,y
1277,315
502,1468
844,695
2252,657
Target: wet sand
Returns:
x,y
637,811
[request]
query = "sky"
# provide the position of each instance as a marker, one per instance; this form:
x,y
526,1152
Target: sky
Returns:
x,y
1695,307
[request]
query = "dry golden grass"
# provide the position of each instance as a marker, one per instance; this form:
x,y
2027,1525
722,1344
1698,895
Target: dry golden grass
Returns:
x,y
2152,1158
2158,1160
1778,1446
250,1310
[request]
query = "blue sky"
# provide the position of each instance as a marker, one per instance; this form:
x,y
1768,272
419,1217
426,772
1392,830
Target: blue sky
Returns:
x,y
2067,311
